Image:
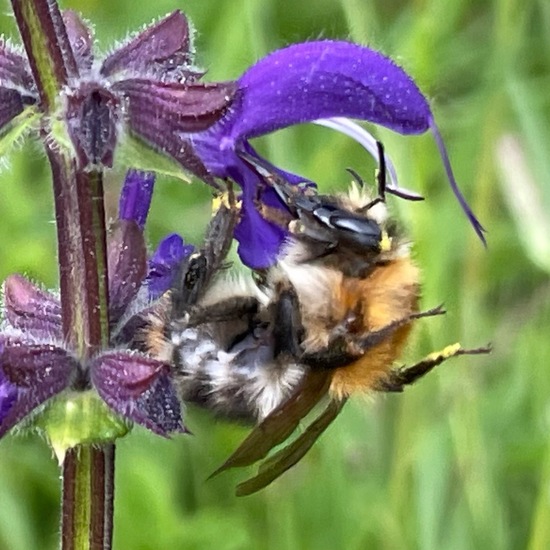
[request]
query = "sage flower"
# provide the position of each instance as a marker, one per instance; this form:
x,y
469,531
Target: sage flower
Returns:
x,y
304,83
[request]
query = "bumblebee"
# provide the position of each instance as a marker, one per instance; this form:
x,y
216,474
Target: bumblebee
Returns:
x,y
328,320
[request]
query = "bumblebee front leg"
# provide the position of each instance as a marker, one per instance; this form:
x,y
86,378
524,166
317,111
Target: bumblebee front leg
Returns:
x,y
397,379
197,271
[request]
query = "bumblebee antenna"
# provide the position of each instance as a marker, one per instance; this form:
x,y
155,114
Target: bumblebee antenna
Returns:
x,y
380,179
383,188
360,181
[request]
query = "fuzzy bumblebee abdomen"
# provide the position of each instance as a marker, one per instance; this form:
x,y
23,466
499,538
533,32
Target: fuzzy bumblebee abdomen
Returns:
x,y
390,293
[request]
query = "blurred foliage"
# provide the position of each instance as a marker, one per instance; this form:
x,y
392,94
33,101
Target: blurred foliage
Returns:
x,y
462,460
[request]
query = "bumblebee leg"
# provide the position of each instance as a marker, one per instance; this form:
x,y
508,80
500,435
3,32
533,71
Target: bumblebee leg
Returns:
x,y
197,271
398,378
287,324
344,348
219,234
226,310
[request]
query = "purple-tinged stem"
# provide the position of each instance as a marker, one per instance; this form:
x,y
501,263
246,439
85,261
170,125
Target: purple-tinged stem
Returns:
x,y
88,486
88,481
48,48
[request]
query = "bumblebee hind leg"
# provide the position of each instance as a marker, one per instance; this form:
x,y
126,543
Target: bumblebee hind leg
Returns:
x,y
397,379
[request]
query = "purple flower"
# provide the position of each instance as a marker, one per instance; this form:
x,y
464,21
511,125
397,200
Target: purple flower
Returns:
x,y
146,90
135,201
35,363
304,83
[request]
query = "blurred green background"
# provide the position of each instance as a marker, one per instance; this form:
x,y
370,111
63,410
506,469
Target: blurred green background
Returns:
x,y
460,461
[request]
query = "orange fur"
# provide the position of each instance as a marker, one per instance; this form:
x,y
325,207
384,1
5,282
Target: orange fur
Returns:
x,y
388,294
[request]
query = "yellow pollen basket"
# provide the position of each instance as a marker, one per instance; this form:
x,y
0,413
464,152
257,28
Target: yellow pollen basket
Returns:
x,y
385,242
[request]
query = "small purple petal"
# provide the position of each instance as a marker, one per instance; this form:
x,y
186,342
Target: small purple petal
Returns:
x,y
127,261
139,388
31,309
259,239
80,38
160,50
36,371
164,263
135,197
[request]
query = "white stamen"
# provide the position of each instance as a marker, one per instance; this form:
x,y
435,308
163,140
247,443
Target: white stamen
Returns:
x,y
368,141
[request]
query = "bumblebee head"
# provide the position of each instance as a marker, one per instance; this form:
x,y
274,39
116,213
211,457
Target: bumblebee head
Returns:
x,y
324,221
346,231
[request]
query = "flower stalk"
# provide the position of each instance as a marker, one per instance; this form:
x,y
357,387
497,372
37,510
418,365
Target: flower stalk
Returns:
x,y
88,487
87,515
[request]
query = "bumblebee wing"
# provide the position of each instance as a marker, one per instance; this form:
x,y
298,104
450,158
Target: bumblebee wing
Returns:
x,y
283,460
281,422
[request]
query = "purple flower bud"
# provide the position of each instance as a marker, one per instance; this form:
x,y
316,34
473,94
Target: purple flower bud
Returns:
x,y
135,197
162,50
92,116
80,38
37,372
127,266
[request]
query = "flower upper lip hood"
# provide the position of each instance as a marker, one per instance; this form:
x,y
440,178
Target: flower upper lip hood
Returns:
x,y
302,83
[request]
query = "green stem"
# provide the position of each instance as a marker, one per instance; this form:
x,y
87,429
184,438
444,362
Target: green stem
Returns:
x,y
88,474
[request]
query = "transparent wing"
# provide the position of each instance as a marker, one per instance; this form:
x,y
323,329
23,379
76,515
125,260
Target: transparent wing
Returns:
x,y
282,460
